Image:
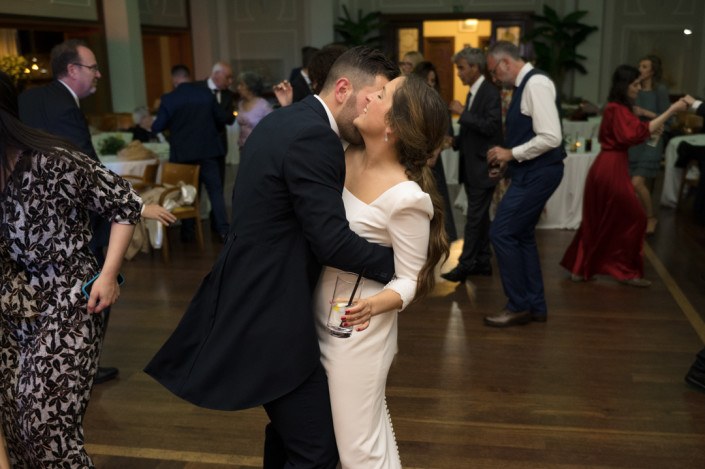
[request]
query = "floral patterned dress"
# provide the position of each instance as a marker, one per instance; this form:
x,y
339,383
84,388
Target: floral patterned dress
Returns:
x,y
49,343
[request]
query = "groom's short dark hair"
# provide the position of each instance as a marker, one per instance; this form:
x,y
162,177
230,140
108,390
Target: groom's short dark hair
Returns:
x,y
361,65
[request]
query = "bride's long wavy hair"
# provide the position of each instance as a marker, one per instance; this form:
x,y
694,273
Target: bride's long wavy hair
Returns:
x,y
419,118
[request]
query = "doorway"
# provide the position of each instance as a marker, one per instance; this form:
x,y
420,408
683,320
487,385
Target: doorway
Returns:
x,y
161,50
439,51
439,36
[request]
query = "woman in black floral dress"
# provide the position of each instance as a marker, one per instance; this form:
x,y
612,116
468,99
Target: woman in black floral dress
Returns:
x,y
49,332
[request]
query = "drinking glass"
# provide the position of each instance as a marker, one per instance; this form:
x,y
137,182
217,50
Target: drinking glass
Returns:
x,y
347,290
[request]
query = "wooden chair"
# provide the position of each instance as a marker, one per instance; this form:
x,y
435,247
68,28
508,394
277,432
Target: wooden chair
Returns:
x,y
172,174
114,121
146,181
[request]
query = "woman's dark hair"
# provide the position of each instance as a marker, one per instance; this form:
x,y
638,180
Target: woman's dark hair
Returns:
x,y
17,136
253,81
422,70
419,118
656,67
622,77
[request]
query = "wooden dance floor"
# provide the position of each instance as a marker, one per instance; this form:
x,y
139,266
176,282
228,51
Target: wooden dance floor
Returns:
x,y
599,385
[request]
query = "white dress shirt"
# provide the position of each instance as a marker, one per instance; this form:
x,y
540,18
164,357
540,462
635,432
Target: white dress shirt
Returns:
x,y
538,102
474,89
75,97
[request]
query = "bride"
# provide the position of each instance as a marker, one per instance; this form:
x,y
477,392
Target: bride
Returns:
x,y
390,198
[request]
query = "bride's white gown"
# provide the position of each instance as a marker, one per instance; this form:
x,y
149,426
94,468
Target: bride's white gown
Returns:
x,y
357,366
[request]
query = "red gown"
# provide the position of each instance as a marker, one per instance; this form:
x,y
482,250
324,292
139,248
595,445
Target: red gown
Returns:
x,y
610,240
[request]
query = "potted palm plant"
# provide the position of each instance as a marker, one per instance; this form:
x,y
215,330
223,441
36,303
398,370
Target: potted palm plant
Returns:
x,y
555,41
361,32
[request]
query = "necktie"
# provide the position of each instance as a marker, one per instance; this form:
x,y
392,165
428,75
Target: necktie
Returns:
x,y
469,99
216,92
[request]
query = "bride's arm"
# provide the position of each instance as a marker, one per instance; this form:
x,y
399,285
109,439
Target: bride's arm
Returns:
x,y
409,229
361,312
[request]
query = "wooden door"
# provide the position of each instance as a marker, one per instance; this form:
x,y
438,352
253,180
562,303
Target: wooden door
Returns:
x,y
439,51
161,52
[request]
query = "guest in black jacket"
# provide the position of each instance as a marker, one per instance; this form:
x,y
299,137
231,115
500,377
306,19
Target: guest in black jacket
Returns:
x,y
480,128
300,81
219,83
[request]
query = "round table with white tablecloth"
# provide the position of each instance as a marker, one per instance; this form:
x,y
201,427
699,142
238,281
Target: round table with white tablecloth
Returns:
x,y
580,131
564,210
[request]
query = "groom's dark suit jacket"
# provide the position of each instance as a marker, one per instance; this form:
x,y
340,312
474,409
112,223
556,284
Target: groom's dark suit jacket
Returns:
x,y
248,336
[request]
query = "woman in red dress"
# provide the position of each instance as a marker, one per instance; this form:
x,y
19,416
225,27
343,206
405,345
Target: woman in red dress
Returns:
x,y
610,240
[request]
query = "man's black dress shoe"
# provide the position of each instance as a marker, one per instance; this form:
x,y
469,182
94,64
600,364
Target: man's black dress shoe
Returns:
x,y
506,318
105,373
460,273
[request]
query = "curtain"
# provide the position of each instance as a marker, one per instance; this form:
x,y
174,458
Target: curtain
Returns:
x,y
8,42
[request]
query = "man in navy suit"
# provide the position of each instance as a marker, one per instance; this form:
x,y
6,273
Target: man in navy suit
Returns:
x,y
534,153
192,115
55,108
480,128
299,78
248,338
219,83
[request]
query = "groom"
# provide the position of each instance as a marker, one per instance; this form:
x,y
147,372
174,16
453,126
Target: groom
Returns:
x,y
248,336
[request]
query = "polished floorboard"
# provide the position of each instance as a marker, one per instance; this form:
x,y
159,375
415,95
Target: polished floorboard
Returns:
x,y
600,385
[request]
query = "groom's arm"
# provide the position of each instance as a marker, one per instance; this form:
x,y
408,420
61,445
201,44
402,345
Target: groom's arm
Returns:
x,y
315,173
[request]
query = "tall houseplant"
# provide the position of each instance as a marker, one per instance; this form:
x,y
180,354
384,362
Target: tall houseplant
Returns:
x,y
363,32
556,40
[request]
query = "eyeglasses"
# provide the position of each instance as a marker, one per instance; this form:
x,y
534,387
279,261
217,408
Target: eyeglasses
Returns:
x,y
493,72
92,68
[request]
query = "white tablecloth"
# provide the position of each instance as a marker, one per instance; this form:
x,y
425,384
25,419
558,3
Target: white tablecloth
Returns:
x,y
581,129
449,157
564,210
126,167
673,175
233,132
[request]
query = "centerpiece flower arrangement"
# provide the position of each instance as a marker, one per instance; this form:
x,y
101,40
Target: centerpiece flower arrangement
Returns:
x,y
111,145
16,67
